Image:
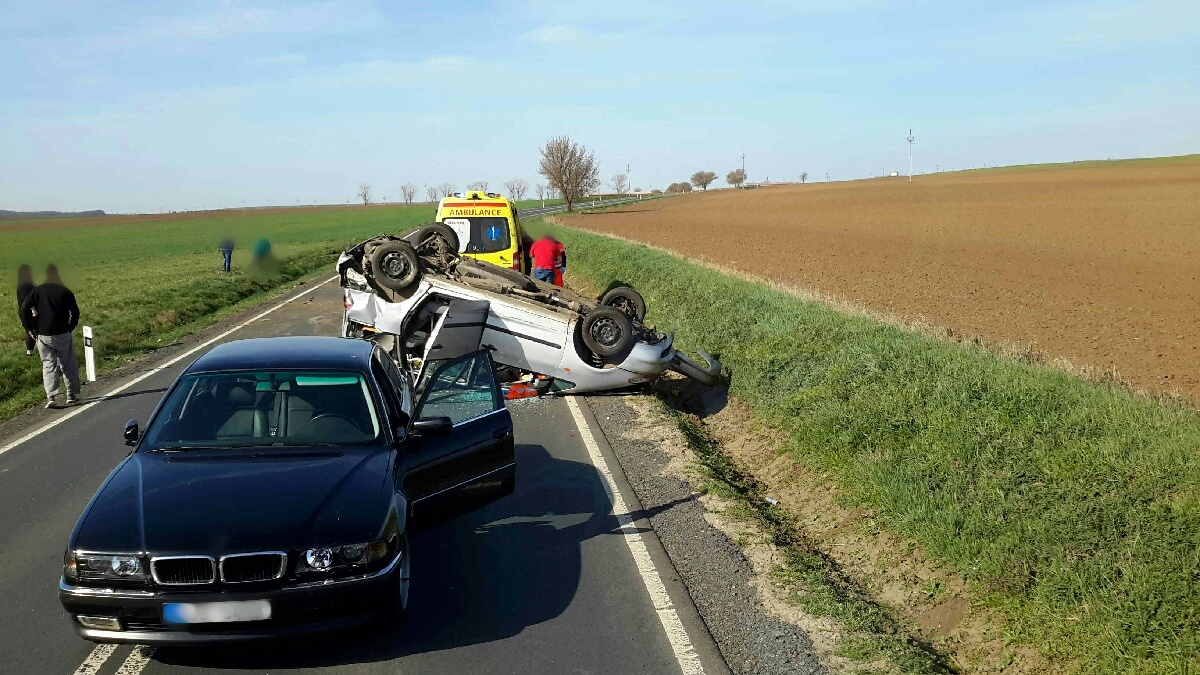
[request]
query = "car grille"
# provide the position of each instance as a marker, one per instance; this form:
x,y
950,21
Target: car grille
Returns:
x,y
183,570
249,567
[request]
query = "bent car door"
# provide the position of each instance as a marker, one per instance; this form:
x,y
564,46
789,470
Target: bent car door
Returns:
x,y
458,330
465,455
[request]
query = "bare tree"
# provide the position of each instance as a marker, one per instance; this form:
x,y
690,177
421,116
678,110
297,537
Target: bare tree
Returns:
x,y
702,179
364,193
431,193
407,192
541,191
677,188
446,189
570,169
480,185
736,177
803,177
620,183
517,189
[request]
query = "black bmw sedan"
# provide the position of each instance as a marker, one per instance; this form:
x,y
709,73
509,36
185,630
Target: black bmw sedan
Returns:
x,y
273,490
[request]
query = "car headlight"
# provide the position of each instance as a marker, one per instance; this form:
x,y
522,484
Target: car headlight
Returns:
x,y
105,567
343,559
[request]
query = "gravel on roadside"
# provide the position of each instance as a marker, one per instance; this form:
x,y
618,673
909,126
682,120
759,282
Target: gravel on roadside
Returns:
x,y
717,574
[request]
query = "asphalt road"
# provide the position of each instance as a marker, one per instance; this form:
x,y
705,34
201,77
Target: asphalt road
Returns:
x,y
543,581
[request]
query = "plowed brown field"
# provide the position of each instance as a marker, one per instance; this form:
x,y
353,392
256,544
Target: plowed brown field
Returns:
x,y
1095,262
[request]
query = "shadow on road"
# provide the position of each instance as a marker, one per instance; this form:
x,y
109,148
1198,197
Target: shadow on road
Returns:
x,y
480,578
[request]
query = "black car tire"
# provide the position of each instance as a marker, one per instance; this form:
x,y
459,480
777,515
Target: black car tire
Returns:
x,y
394,265
397,596
477,269
627,300
607,331
444,239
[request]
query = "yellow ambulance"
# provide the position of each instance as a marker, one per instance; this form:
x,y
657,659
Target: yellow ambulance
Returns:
x,y
487,227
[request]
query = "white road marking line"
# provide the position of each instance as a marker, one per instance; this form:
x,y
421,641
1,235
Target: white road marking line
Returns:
x,y
136,660
91,665
59,420
681,644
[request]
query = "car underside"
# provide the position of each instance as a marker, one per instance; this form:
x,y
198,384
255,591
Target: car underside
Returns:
x,y
400,290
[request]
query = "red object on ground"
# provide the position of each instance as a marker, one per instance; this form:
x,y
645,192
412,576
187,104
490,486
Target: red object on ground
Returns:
x,y
520,390
558,276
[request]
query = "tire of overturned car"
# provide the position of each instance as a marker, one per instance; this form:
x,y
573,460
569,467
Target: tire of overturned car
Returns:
x,y
627,300
394,265
607,331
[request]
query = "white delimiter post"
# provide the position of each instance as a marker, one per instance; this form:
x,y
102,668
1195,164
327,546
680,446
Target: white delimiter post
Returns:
x,y
89,354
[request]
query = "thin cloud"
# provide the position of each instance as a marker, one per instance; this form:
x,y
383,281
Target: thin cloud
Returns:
x,y
554,34
282,59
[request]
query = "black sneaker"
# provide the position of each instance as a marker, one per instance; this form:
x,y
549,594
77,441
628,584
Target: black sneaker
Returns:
x,y
72,400
51,403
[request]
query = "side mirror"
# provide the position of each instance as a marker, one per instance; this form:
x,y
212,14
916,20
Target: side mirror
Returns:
x,y
131,432
433,426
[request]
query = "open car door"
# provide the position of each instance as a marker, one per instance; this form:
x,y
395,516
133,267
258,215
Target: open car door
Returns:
x,y
465,456
458,331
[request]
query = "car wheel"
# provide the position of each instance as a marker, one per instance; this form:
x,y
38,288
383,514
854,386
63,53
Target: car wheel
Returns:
x,y
397,596
607,331
437,238
627,300
394,265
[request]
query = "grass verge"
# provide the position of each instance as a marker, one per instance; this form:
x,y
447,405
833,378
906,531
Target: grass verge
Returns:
x,y
1072,507
813,580
142,283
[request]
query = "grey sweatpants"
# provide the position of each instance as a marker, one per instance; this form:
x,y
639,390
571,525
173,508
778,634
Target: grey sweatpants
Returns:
x,y
58,361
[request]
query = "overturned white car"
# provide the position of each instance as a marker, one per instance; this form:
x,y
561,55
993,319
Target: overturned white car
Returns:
x,y
421,300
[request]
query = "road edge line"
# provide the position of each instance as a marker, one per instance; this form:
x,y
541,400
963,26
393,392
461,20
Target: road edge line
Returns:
x,y
159,368
685,652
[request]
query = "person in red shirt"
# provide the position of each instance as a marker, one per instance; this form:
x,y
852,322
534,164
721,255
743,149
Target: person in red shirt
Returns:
x,y
549,260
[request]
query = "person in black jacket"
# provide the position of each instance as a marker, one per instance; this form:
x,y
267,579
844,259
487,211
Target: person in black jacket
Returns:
x,y
24,285
50,313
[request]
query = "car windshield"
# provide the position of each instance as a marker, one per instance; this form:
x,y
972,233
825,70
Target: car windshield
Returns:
x,y
480,234
264,408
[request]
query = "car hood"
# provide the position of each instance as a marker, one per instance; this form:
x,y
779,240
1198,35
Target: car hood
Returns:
x,y
232,501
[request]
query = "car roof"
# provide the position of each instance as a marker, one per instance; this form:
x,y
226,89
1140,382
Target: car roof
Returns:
x,y
287,353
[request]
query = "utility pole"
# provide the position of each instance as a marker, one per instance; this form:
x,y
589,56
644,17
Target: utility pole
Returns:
x,y
743,164
910,142
628,179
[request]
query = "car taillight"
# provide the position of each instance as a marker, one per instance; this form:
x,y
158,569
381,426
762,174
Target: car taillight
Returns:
x,y
347,302
516,265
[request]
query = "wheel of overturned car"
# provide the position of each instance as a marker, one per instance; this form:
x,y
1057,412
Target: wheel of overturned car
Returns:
x,y
470,268
396,609
607,331
437,238
394,265
627,300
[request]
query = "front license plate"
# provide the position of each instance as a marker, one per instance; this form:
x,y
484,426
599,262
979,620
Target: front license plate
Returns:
x,y
216,612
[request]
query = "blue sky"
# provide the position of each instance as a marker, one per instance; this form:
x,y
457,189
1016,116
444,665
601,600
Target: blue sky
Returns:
x,y
148,106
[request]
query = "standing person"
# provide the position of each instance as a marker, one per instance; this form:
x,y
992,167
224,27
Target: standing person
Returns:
x,y
51,313
545,253
24,285
226,250
560,264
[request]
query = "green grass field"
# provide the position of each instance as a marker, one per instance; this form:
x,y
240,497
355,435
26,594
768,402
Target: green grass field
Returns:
x,y
1073,507
143,284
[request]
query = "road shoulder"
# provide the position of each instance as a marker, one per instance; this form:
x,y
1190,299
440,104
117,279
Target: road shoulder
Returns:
x,y
705,562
